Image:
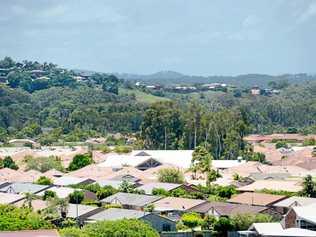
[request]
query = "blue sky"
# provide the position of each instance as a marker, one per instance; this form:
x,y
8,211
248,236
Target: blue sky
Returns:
x,y
200,37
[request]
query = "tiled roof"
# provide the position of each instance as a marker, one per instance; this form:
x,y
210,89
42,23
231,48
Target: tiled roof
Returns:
x,y
131,199
176,204
260,199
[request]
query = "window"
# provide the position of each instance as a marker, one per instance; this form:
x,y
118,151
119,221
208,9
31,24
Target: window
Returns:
x,y
166,227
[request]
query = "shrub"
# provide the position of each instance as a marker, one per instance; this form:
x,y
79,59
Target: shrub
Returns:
x,y
13,218
106,191
80,161
281,144
48,194
44,181
191,220
76,197
9,163
170,175
244,221
309,142
125,227
123,149
43,164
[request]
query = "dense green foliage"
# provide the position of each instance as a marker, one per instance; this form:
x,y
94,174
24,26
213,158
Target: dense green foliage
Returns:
x,y
76,197
43,164
13,218
170,175
44,180
7,162
80,161
128,228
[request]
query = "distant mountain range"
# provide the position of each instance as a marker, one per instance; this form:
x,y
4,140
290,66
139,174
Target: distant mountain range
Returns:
x,y
246,80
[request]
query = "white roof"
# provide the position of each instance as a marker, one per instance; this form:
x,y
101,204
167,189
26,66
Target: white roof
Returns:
x,y
308,213
61,192
68,180
295,201
148,188
225,164
275,229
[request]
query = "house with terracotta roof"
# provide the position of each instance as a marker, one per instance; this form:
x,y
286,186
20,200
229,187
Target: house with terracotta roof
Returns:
x,y
256,199
174,207
277,185
219,209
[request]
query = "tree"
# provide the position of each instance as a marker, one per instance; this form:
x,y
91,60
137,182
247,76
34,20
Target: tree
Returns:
x,y
244,221
309,187
170,175
105,192
80,161
125,227
223,225
191,220
127,187
44,180
9,163
76,197
49,194
13,218
202,161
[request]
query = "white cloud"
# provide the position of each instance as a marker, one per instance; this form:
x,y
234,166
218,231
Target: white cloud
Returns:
x,y
309,12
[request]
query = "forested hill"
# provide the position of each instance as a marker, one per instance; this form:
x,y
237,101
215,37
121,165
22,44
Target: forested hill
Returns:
x,y
247,80
50,104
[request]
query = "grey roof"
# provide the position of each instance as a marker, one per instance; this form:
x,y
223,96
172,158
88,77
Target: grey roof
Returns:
x,y
269,176
126,177
117,214
114,183
82,210
131,199
24,188
148,188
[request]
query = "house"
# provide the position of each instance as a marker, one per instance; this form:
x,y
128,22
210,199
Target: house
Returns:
x,y
257,199
289,186
174,207
64,192
145,159
158,222
283,206
255,90
219,209
301,217
37,204
148,188
226,164
113,183
30,233
70,180
93,171
53,173
23,142
269,176
130,200
274,230
9,198
82,212
19,188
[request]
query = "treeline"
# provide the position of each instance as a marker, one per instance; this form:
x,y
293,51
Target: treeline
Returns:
x,y
72,110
